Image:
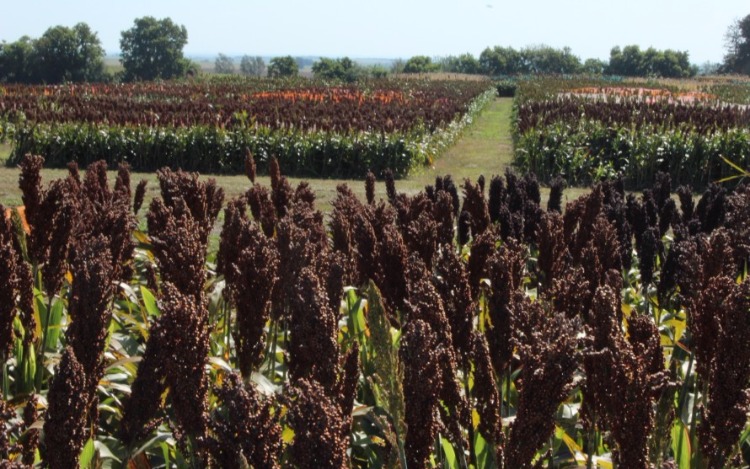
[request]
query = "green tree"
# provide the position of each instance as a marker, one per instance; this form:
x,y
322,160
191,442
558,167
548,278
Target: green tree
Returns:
x,y
68,54
594,66
546,59
420,64
16,61
737,43
152,49
501,61
252,66
343,69
283,67
631,61
224,64
464,63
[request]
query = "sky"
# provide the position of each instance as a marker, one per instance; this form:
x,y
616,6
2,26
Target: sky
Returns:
x,y
398,28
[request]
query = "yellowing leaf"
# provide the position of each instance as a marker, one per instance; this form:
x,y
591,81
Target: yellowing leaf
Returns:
x,y
475,418
287,435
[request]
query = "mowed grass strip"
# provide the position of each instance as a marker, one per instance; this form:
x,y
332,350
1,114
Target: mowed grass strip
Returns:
x,y
485,148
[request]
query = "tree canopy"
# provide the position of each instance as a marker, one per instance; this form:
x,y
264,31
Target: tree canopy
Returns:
x,y
60,55
252,66
420,64
343,69
152,49
224,64
737,41
283,67
631,61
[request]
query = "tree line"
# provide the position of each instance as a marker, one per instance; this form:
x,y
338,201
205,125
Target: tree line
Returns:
x,y
153,49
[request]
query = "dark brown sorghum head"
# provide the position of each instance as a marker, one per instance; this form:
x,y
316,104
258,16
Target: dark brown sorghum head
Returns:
x,y
725,414
73,172
31,442
9,283
304,194
65,422
250,168
140,194
648,248
623,378
95,185
62,211
553,252
231,238
91,293
32,193
452,282
391,277
274,171
443,215
421,237
549,359
481,249
464,228
556,188
420,355
366,244
476,205
496,198
711,208
738,224
184,360
252,284
687,206
245,424
201,199
484,392
178,245
370,187
122,183
313,350
316,419
390,185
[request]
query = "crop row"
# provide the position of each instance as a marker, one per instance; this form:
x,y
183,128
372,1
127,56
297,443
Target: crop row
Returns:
x,y
586,133
209,126
387,107
416,331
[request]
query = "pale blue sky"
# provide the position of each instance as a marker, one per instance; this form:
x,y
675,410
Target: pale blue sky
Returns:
x,y
392,29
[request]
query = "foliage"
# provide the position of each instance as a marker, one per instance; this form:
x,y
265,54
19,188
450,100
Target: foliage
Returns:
x,y
281,67
420,64
60,55
224,64
464,63
498,61
343,69
252,66
632,62
737,40
152,49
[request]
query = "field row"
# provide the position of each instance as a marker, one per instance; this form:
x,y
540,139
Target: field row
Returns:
x,y
588,131
313,129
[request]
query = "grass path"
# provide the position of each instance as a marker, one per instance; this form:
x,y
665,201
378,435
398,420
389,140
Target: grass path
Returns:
x,y
484,148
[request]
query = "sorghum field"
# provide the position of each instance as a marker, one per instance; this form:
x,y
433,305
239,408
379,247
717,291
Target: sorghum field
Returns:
x,y
586,130
314,129
464,326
